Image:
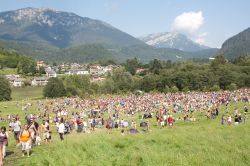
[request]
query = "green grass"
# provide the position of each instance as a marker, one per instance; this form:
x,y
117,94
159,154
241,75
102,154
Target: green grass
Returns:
x,y
27,93
204,142
7,71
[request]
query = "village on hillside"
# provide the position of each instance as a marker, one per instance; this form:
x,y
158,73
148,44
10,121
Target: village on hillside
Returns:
x,y
96,72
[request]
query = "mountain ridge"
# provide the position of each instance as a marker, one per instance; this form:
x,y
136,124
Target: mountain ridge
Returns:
x,y
60,29
53,35
172,40
237,45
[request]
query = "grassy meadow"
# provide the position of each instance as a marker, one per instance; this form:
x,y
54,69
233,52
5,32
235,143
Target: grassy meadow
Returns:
x,y
204,142
29,92
6,71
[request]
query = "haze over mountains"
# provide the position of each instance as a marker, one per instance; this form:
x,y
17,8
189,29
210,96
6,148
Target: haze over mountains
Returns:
x,y
66,37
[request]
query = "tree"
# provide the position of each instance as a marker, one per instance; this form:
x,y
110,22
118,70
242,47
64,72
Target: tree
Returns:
x,y
54,88
155,66
108,86
72,91
225,79
180,80
132,65
123,80
174,89
148,83
232,87
219,60
80,82
26,66
42,70
166,89
215,88
5,90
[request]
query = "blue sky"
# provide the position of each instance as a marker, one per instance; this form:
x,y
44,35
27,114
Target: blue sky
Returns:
x,y
209,22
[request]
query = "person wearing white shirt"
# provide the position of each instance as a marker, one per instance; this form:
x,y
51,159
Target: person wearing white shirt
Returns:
x,y
61,129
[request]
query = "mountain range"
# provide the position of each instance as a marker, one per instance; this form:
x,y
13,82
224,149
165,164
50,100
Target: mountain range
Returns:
x,y
172,40
59,36
59,29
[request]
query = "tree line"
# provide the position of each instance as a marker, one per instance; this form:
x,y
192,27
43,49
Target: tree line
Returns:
x,y
160,76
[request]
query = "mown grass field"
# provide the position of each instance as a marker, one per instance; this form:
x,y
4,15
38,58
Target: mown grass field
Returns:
x,y
31,93
7,71
205,142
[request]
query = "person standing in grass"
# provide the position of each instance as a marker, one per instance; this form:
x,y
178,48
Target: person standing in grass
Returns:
x,y
236,119
25,139
1,157
16,127
3,141
93,123
170,121
223,120
229,120
45,127
32,129
162,122
61,129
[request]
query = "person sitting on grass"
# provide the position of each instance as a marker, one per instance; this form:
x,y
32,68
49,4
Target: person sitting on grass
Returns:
x,y
25,139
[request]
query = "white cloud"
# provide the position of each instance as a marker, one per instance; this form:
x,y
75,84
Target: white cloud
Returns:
x,y
190,23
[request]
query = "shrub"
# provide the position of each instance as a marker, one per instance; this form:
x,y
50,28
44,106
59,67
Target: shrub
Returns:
x,y
174,89
215,88
232,87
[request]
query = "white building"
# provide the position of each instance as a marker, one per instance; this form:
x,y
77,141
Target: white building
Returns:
x,y
18,82
77,72
96,70
39,81
97,78
108,68
51,73
15,80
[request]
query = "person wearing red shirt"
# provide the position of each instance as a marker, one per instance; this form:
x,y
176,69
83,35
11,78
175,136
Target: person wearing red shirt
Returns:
x,y
170,121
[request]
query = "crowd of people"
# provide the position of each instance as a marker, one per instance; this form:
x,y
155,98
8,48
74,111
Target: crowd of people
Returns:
x,y
86,115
